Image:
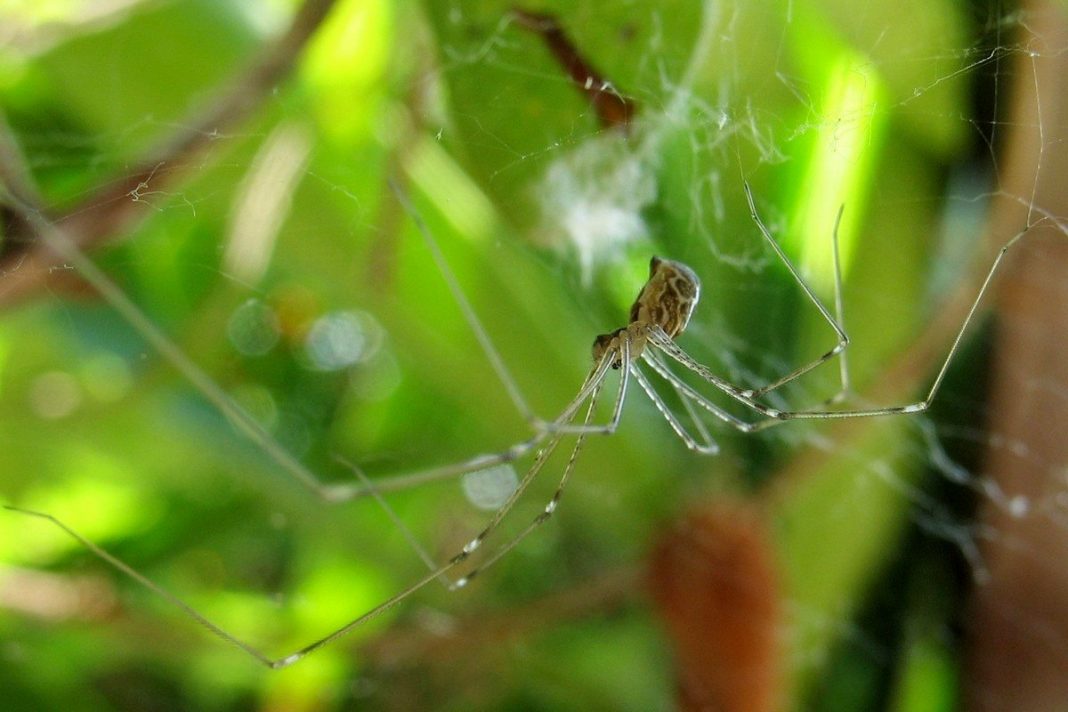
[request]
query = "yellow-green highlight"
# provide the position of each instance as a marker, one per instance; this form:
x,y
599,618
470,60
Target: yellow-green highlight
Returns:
x,y
849,137
460,202
839,176
929,678
92,503
343,63
5,350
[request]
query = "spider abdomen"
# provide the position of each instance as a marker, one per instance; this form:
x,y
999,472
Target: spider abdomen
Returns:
x,y
668,298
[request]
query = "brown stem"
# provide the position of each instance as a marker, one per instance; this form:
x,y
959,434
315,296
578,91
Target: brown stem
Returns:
x,y
1018,622
613,109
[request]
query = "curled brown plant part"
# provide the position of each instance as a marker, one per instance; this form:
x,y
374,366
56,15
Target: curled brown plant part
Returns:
x,y
714,583
613,109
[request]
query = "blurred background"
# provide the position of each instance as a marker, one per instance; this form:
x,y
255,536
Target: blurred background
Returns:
x,y
226,166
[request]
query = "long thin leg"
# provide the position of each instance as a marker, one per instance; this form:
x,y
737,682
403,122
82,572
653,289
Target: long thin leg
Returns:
x,y
336,493
58,241
626,366
706,446
835,324
560,425
589,388
61,243
405,530
147,583
710,446
685,389
773,416
844,380
588,391
436,572
542,429
473,322
545,452
538,424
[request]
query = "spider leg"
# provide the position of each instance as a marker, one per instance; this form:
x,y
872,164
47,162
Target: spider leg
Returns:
x,y
710,446
554,501
592,387
560,425
147,583
484,341
590,392
60,242
690,395
835,322
436,573
596,376
539,425
706,445
773,416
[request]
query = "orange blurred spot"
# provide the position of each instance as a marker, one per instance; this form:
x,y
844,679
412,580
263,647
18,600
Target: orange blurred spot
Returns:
x,y
714,582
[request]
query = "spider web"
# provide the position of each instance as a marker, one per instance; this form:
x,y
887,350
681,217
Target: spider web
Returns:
x,y
260,239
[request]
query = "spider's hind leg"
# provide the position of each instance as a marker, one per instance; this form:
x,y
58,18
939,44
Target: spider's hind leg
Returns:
x,y
836,322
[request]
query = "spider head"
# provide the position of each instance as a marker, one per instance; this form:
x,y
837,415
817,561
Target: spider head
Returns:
x,y
603,343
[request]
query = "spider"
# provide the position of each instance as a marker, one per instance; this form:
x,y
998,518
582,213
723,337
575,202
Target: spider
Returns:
x,y
659,315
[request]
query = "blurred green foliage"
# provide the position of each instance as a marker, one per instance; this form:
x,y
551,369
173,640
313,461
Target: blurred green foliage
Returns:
x,y
469,113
